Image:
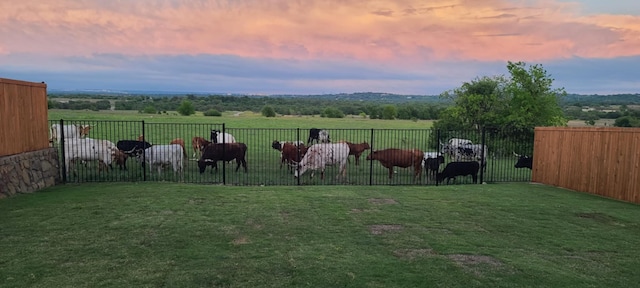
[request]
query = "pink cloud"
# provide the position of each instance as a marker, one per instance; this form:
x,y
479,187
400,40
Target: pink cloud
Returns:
x,y
407,30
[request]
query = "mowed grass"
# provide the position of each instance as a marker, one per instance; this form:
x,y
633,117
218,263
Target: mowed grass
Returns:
x,y
258,133
181,235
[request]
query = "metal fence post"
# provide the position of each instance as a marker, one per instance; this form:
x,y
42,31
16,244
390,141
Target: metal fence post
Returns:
x,y
64,163
371,162
297,165
144,160
483,161
439,149
224,170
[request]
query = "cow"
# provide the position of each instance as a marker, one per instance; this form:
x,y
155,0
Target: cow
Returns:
x,y
198,144
393,157
524,161
451,147
319,156
218,136
160,155
291,152
132,148
180,142
319,135
357,149
120,158
223,152
78,149
70,131
431,162
454,169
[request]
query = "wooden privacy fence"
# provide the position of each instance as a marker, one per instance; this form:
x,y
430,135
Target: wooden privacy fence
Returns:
x,y
602,161
23,117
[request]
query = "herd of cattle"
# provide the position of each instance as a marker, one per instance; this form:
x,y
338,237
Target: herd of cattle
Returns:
x,y
319,152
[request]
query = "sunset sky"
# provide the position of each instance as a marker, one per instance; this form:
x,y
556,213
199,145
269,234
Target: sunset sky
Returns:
x,y
317,47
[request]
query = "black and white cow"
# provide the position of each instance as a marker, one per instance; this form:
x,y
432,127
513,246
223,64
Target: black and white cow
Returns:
x,y
431,162
524,161
454,169
218,136
132,148
319,135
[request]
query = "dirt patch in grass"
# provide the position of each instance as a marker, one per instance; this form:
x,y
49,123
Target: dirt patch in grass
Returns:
x,y
384,228
196,201
476,264
411,254
241,240
382,201
598,217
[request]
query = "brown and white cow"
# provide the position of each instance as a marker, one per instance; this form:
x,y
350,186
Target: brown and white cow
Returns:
x,y
198,143
393,157
319,156
290,152
72,131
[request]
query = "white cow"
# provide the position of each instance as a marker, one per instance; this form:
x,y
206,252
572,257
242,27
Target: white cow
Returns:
x,y
453,146
70,131
159,155
324,154
219,137
88,150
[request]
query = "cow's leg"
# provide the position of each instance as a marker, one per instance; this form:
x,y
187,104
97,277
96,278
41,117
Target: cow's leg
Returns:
x,y
357,156
391,172
475,178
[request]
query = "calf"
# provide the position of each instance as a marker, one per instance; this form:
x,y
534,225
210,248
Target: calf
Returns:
x,y
223,152
392,157
454,169
198,144
319,156
524,161
120,158
432,161
357,149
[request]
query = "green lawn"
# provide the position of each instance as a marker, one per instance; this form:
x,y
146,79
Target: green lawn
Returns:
x,y
185,235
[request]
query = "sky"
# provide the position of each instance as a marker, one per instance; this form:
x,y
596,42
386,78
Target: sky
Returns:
x,y
270,47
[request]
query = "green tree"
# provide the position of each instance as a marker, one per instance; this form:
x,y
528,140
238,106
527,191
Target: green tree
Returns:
x,y
477,104
627,121
533,100
267,111
212,112
149,110
389,112
186,108
332,112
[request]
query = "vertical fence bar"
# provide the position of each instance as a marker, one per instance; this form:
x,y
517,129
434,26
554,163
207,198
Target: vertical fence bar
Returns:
x,y
64,163
483,162
224,166
371,162
144,160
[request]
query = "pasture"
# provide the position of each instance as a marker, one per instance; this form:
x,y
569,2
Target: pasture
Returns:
x,y
259,132
184,235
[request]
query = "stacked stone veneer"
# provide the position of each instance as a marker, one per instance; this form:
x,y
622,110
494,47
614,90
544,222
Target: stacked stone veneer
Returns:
x,y
28,172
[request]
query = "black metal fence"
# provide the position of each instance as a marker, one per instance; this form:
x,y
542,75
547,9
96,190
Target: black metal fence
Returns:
x,y
264,166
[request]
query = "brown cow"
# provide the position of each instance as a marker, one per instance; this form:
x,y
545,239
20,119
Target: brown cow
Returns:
x,y
357,149
223,152
180,142
198,144
120,158
290,152
398,157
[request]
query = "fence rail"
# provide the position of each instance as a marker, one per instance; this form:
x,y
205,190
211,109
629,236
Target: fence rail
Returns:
x,y
263,161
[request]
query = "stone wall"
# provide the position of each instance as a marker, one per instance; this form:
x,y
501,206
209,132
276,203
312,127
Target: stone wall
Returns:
x,y
28,172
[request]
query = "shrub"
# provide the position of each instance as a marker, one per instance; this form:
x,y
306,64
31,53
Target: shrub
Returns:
x,y
212,112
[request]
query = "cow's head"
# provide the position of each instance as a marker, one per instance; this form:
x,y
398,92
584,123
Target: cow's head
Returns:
x,y
214,135
83,130
276,145
524,161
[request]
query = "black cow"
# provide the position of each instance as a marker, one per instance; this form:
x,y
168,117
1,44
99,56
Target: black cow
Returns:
x,y
433,165
132,148
454,169
524,161
215,152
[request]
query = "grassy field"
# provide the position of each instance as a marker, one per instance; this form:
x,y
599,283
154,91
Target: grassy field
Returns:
x,y
181,235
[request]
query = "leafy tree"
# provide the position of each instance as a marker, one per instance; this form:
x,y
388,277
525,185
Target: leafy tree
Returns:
x,y
477,104
627,121
267,111
389,112
533,100
186,108
332,112
149,110
212,112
